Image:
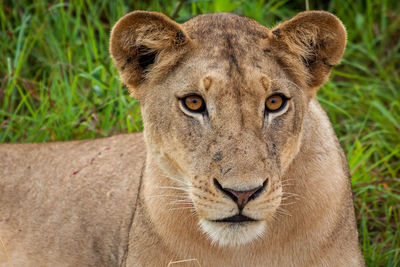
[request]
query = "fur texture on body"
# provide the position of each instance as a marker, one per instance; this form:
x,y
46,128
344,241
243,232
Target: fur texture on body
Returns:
x,y
232,183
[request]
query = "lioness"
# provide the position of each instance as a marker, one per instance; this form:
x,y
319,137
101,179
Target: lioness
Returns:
x,y
238,164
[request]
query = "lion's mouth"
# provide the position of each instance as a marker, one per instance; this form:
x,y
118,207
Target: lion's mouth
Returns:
x,y
236,219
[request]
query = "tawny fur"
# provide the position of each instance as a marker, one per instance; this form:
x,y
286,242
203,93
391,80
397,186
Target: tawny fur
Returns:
x,y
134,201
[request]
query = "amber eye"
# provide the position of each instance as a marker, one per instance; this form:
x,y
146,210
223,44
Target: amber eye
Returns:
x,y
194,103
275,103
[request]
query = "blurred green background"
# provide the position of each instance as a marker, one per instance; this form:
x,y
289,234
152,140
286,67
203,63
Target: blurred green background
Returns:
x,y
58,83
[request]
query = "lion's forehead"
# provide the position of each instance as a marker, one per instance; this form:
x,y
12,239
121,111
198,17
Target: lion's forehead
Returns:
x,y
213,25
228,38
232,51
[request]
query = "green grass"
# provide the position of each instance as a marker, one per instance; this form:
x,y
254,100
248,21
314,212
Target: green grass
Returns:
x,y
58,83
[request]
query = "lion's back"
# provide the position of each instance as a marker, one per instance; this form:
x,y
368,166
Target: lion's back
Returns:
x,y
69,198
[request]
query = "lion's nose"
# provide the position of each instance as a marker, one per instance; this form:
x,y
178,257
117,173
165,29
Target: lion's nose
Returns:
x,y
241,197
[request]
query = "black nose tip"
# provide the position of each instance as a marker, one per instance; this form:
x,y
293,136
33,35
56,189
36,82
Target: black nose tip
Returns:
x,y
241,197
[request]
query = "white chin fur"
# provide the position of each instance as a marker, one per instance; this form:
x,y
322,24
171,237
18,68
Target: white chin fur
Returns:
x,y
232,234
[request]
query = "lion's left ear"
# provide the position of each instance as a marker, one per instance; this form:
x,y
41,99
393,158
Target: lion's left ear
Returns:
x,y
316,39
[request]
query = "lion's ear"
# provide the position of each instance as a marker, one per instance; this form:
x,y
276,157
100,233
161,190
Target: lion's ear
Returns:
x,y
145,43
317,39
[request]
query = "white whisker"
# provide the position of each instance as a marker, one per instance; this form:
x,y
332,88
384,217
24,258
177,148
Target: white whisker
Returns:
x,y
287,204
175,188
290,194
182,208
180,205
177,180
177,195
182,201
283,211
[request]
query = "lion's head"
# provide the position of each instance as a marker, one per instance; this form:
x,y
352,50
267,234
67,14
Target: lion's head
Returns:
x,y
223,100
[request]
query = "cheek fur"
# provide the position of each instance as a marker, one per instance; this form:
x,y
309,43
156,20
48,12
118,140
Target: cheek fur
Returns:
x,y
285,133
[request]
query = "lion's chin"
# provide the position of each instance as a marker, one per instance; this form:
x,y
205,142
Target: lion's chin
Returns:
x,y
232,234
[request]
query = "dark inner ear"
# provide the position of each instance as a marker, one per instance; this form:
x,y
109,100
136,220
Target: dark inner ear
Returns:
x,y
146,57
312,57
308,61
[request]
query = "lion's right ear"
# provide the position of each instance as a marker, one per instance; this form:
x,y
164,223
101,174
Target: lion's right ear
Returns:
x,y
145,43
317,39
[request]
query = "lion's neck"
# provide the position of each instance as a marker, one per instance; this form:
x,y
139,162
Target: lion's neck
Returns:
x,y
315,188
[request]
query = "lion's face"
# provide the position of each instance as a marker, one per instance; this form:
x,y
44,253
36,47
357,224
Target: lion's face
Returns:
x,y
231,141
223,114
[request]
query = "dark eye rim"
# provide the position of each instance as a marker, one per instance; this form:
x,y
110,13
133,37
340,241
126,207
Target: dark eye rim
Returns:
x,y
202,109
285,99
